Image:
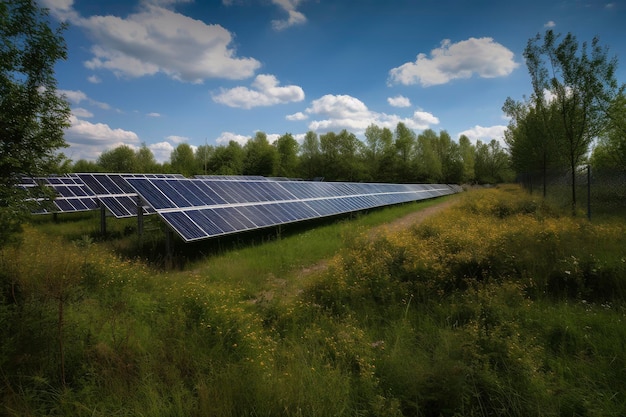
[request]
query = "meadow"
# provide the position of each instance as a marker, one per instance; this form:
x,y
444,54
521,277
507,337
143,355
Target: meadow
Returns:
x,y
500,305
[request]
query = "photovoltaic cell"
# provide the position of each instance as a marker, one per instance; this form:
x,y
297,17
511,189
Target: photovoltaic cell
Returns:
x,y
114,192
200,208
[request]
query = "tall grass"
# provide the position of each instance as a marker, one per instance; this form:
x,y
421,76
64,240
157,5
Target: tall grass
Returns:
x,y
500,305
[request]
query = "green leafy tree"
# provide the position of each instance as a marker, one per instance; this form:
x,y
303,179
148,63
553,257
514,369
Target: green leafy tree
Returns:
x,y
428,163
287,149
330,156
610,151
119,159
183,160
533,138
83,165
310,156
450,157
580,80
260,157
145,161
468,157
203,156
33,115
227,160
405,141
492,163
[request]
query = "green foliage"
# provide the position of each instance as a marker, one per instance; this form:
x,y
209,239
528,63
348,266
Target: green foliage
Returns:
x,y
119,159
32,114
183,160
498,306
574,86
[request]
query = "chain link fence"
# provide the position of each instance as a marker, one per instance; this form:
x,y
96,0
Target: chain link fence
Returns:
x,y
597,191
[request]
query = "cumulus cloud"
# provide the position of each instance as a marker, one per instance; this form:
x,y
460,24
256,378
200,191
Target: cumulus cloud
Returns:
x,y
154,114
265,91
77,97
162,151
177,139
155,40
296,116
87,140
549,24
226,137
82,113
482,56
399,101
486,134
294,17
94,79
337,112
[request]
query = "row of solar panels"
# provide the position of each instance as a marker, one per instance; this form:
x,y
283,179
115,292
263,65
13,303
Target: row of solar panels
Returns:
x,y
85,192
205,207
198,208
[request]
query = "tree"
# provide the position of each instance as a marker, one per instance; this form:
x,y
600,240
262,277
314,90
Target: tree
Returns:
x,y
405,145
580,81
310,157
468,157
492,163
227,160
534,139
120,159
428,163
450,157
33,115
261,157
287,149
83,165
183,160
144,160
203,155
610,151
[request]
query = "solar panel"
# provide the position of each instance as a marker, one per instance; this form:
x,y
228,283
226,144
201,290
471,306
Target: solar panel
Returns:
x,y
201,208
70,195
115,193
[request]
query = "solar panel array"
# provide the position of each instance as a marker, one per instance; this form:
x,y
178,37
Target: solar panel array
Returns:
x,y
202,208
114,192
71,195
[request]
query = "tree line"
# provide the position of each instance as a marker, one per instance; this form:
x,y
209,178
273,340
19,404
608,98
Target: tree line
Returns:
x,y
576,114
399,156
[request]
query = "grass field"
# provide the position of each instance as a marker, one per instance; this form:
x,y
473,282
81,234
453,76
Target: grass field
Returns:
x,y
497,306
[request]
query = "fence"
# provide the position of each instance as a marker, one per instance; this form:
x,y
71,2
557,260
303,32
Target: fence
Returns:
x,y
598,191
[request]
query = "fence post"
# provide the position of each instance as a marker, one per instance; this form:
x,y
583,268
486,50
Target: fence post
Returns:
x,y
589,192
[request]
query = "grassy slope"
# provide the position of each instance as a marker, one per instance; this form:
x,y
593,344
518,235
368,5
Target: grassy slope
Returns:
x,y
498,306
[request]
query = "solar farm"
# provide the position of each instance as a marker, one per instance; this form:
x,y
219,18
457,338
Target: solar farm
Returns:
x,y
210,206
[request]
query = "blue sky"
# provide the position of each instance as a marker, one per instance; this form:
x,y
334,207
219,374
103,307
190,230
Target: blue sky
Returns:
x,y
163,72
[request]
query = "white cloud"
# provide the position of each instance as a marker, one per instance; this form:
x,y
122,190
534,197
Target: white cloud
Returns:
x,y
486,134
296,116
74,96
177,139
77,97
347,112
226,137
161,151
158,40
154,114
82,113
482,56
265,92
549,24
399,101
94,79
87,140
294,17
